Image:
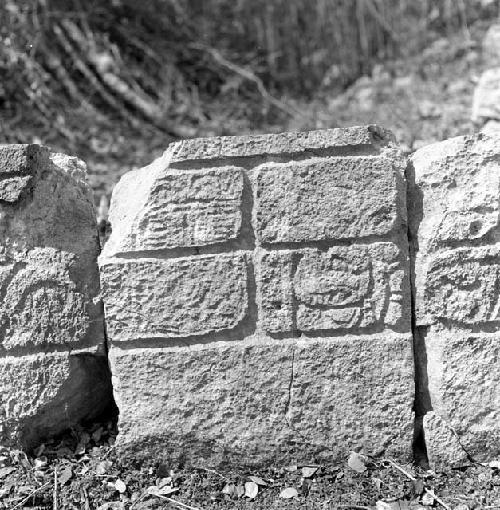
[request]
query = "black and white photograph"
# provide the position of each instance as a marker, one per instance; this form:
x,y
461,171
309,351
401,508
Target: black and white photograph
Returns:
x,y
249,254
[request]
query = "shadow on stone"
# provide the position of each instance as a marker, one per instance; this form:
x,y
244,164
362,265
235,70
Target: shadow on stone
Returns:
x,y
87,395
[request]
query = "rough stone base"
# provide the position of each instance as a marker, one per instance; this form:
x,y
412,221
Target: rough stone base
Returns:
x,y
464,388
37,388
254,402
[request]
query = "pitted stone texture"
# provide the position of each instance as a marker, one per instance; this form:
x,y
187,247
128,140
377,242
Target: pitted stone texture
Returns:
x,y
49,288
41,303
201,150
462,286
17,164
454,205
223,252
344,198
464,385
45,394
174,298
486,102
183,209
443,446
455,230
345,288
252,403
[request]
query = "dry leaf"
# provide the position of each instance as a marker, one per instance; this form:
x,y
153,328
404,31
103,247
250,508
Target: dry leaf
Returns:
x,y
356,463
103,467
308,471
96,435
229,489
251,490
153,490
258,480
65,475
427,499
120,486
289,493
240,491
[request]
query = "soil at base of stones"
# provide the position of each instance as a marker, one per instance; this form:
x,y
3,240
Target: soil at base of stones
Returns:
x,y
81,470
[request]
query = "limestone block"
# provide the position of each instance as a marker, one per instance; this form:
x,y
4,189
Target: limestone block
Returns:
x,y
242,402
454,225
464,387
351,140
486,102
45,393
345,288
174,298
254,289
52,353
294,200
443,445
182,209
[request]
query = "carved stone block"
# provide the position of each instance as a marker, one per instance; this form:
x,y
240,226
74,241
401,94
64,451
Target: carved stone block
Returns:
x,y
52,353
347,198
174,298
454,212
254,289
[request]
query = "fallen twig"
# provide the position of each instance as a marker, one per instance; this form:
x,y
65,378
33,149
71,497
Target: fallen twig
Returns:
x,y
413,479
54,499
178,503
30,495
211,471
248,75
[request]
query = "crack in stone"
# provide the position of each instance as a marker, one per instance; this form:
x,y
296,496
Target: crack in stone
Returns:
x,y
290,390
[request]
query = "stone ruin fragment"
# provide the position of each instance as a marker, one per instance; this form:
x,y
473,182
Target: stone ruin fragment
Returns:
x,y
298,294
257,297
53,366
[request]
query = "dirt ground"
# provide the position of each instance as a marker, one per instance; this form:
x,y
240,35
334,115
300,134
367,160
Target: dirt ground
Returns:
x,y
83,470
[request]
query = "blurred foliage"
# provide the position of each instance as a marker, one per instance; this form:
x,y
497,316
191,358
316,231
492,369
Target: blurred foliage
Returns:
x,y
82,74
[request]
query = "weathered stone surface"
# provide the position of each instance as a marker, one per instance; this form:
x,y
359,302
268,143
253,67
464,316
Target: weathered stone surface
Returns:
x,y
454,217
294,201
174,298
49,285
464,387
462,286
486,103
17,163
254,403
219,148
444,449
345,288
232,260
182,209
43,394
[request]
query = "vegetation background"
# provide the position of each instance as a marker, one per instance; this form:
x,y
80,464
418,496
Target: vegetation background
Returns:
x,y
113,81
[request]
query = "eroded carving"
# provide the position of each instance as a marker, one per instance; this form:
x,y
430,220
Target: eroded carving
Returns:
x,y
174,298
40,303
343,288
463,285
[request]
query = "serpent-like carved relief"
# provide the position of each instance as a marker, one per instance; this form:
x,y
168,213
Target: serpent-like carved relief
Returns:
x,y
40,303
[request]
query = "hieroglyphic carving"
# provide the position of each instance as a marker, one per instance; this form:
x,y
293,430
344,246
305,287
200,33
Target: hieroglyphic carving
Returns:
x,y
271,303
342,288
